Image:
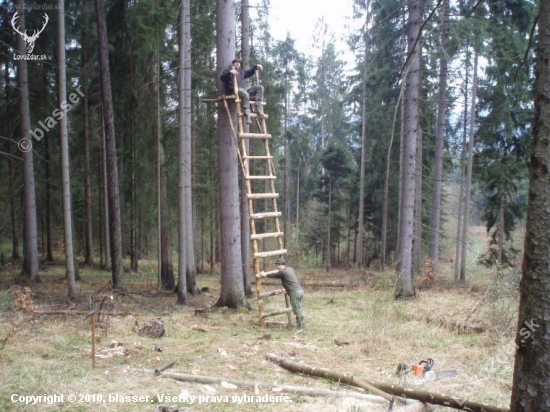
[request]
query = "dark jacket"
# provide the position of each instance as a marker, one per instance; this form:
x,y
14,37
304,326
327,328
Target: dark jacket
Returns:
x,y
227,78
288,279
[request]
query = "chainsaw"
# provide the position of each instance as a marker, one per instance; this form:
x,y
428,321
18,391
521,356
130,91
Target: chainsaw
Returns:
x,y
424,369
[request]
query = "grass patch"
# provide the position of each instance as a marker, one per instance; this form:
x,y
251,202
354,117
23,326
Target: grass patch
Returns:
x,y
354,327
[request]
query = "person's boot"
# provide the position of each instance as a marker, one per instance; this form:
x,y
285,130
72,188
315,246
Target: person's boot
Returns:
x,y
259,109
247,118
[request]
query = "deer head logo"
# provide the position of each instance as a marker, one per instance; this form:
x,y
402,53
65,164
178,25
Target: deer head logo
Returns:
x,y
29,40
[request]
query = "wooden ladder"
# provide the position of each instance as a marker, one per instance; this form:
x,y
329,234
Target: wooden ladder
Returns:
x,y
259,174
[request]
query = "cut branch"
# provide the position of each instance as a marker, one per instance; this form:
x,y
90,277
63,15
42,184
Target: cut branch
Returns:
x,y
183,377
79,313
395,390
325,373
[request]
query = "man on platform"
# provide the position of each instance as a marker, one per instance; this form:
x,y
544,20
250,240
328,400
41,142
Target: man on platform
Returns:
x,y
256,90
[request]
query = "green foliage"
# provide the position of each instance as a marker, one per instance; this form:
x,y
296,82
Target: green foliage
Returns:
x,y
315,102
505,111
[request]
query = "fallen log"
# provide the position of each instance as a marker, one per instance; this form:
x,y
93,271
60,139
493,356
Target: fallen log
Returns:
x,y
184,377
423,396
325,373
78,313
158,371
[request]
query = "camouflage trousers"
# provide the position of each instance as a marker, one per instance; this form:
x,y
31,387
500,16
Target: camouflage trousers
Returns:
x,y
257,91
296,303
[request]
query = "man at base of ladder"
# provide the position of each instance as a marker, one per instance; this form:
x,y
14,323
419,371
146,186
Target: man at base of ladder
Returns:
x,y
292,287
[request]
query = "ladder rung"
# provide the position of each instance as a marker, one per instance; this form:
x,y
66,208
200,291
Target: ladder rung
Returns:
x,y
271,272
258,177
255,135
276,312
258,157
266,235
262,195
269,254
271,293
265,215
263,116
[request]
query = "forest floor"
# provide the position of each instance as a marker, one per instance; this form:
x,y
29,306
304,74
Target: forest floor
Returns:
x,y
353,326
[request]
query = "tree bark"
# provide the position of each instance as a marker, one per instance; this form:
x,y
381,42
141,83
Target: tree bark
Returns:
x,y
328,262
359,261
166,265
500,225
182,131
286,171
468,183
88,249
404,286
462,175
532,361
117,266
245,217
439,139
186,239
104,195
191,272
11,169
65,167
30,229
232,283
417,226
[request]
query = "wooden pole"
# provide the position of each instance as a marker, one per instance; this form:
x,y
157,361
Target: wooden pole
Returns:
x,y
93,340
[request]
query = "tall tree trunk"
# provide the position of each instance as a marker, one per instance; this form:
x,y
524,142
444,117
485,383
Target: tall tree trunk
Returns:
x,y
417,226
439,139
462,176
65,167
297,228
48,211
117,266
404,286
186,241
384,229
100,207
468,183
30,229
328,261
88,249
11,169
14,236
232,283
166,266
286,177
500,226
134,248
359,261
245,217
532,358
104,196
